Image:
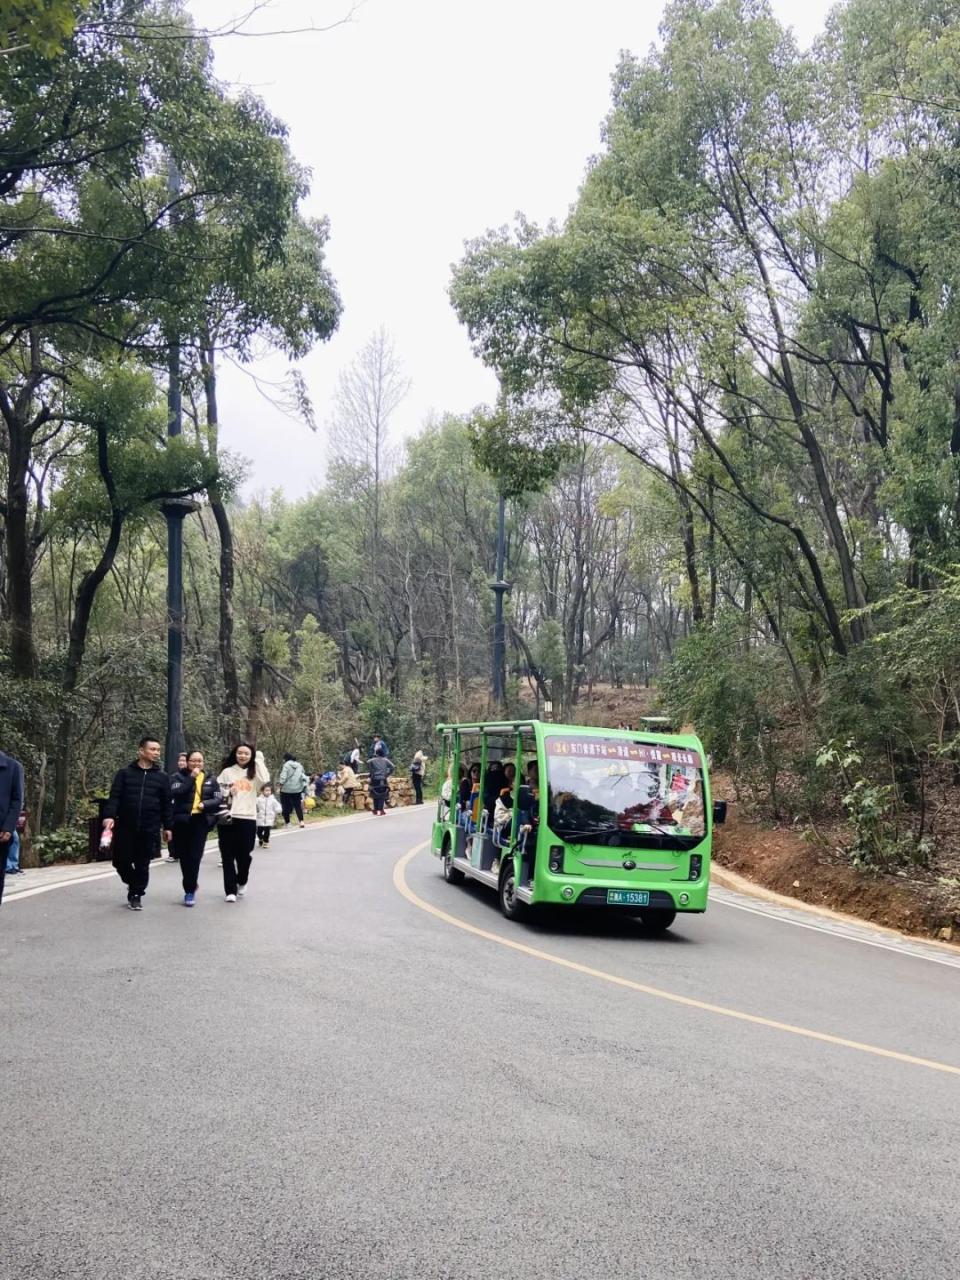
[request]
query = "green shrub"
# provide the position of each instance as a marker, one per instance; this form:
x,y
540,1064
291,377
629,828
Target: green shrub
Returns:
x,y
67,844
727,693
871,807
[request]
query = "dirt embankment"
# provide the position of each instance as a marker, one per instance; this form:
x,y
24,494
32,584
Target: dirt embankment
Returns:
x,y
917,901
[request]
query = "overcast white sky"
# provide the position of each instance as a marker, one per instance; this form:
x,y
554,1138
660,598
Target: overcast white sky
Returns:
x,y
424,122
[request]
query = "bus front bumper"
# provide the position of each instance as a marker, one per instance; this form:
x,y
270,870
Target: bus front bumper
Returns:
x,y
677,896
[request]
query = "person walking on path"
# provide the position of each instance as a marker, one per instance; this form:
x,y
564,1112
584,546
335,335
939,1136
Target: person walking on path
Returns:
x,y
11,803
139,808
292,783
268,807
196,798
243,777
379,767
418,768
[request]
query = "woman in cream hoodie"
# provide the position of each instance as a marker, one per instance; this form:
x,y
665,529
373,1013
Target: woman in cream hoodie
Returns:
x,y
243,775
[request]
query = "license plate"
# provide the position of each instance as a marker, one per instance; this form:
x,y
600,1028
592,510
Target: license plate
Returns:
x,y
628,898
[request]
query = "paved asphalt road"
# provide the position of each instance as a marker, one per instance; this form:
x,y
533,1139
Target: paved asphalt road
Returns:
x,y
327,1081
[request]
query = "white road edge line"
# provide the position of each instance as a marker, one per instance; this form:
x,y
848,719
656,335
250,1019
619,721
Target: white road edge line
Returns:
x,y
905,949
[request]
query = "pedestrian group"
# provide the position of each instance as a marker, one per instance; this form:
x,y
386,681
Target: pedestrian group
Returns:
x,y
148,807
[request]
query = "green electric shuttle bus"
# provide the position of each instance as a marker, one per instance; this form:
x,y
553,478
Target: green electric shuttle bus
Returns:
x,y
577,816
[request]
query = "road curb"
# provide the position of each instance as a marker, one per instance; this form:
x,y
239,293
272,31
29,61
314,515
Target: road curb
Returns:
x,y
737,883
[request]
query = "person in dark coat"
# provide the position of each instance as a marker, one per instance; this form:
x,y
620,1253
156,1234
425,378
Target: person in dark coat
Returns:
x,y
11,802
138,810
196,798
380,767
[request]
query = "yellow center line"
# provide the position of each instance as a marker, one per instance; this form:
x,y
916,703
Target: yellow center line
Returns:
x,y
400,884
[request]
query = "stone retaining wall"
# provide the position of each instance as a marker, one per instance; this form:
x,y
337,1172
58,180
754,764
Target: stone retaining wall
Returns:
x,y
401,792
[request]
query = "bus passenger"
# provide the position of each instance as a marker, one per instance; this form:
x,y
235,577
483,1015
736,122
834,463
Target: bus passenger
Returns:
x,y
466,784
493,784
503,811
470,796
446,791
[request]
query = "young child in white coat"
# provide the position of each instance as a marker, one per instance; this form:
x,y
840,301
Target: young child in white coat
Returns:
x,y
268,810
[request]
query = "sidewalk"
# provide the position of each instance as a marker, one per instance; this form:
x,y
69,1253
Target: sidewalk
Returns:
x,y
33,880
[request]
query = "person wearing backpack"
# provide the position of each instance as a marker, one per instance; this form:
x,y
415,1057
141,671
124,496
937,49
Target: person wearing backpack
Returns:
x,y
292,784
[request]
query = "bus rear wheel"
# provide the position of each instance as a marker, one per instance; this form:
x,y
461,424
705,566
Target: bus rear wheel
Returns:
x,y
510,904
450,872
656,920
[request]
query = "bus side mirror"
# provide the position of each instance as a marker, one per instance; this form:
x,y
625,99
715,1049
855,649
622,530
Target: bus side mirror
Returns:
x,y
719,812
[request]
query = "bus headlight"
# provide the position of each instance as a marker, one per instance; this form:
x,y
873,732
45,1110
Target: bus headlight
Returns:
x,y
683,899
556,859
696,866
567,892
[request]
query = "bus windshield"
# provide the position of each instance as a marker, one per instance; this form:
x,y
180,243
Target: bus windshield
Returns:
x,y
612,790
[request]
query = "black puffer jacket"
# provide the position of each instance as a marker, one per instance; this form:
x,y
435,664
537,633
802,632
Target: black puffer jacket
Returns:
x,y
183,788
140,799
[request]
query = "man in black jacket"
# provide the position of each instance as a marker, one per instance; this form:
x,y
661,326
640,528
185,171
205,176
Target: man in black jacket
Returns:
x,y
139,808
11,802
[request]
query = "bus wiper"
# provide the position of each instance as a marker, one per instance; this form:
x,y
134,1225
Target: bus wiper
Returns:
x,y
657,829
597,833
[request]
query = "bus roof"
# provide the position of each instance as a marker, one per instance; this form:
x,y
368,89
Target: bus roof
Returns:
x,y
546,728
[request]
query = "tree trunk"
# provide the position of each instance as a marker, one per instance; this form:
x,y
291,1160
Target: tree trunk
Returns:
x,y
228,661
82,610
256,687
20,551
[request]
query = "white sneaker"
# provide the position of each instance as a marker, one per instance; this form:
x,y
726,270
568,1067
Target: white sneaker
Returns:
x,y
241,890
231,897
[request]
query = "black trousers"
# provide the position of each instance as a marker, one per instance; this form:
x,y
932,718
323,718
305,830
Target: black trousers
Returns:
x,y
290,803
236,841
189,840
132,853
417,779
379,794
263,834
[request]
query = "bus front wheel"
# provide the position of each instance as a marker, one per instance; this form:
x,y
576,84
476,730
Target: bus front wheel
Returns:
x,y
656,921
510,904
450,872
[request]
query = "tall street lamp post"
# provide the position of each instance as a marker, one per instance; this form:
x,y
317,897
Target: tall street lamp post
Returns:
x,y
499,588
175,510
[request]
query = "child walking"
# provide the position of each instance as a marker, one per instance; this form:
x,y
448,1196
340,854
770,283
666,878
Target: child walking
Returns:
x,y
268,809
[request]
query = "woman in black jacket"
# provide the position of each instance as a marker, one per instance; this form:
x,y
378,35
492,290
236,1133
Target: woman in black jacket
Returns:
x,y
196,799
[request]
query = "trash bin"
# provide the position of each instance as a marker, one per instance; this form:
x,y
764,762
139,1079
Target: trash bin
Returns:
x,y
95,827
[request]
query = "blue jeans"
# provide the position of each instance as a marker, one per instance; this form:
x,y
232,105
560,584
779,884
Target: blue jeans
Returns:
x,y
13,853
